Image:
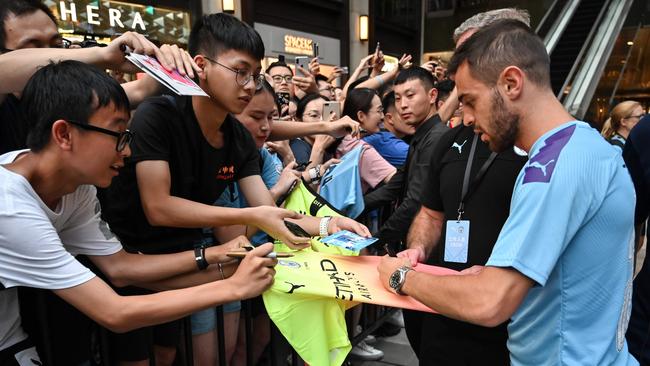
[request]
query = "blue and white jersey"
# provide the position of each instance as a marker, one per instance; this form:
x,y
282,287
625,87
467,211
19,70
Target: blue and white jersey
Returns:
x,y
571,231
341,184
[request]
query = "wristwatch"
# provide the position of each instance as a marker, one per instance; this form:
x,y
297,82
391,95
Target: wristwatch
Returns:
x,y
396,280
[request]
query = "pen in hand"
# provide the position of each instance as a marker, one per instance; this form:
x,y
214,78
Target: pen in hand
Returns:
x,y
241,255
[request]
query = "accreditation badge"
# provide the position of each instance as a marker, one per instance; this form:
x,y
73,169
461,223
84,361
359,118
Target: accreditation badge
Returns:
x,y
457,241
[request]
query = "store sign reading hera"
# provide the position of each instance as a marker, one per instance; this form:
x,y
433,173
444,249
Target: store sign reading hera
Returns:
x,y
116,17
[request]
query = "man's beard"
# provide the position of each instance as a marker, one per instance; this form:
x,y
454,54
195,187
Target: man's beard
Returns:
x,y
503,123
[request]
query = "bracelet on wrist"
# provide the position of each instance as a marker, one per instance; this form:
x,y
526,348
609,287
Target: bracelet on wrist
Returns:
x,y
221,271
199,257
323,226
380,80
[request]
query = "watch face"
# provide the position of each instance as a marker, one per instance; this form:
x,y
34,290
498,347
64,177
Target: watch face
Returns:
x,y
394,280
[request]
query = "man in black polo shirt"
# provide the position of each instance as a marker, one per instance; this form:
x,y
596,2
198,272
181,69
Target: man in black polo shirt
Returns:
x,y
187,151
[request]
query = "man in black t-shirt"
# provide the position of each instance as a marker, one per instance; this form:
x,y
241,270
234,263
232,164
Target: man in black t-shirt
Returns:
x,y
187,150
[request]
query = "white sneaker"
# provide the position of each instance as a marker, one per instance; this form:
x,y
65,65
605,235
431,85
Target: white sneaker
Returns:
x,y
365,352
370,339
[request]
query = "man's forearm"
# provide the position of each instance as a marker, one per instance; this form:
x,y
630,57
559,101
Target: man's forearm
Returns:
x,y
17,67
210,274
387,193
138,90
179,212
290,130
398,224
425,231
488,298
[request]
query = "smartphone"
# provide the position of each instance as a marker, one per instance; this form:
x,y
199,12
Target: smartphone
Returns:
x,y
284,98
302,166
377,49
345,70
314,48
302,61
329,107
283,197
296,229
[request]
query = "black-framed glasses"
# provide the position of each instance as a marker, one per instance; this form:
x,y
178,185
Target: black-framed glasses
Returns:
x,y
278,78
123,138
242,77
638,116
65,43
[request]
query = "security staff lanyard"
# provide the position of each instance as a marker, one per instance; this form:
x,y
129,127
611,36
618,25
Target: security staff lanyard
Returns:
x,y
468,190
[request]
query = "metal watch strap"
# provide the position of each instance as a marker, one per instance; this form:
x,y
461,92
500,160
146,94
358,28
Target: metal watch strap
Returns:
x,y
404,270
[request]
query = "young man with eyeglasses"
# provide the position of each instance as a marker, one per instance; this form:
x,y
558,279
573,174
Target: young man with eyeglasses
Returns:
x,y
49,214
188,150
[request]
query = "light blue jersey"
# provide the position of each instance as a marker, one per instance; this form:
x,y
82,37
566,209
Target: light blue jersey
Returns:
x,y
341,184
571,231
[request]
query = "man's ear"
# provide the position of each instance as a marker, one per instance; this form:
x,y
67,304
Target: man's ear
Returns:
x,y
61,135
388,118
511,81
201,62
433,95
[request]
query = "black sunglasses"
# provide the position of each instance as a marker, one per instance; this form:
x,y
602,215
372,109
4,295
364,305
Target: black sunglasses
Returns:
x,y
123,138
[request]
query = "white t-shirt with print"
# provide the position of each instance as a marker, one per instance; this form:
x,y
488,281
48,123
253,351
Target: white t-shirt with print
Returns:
x,y
38,245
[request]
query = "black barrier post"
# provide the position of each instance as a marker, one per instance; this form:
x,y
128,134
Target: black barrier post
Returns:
x,y
248,319
189,347
221,335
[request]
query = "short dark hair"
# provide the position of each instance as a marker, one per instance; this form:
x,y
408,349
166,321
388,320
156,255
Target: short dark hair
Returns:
x,y
18,8
444,87
213,34
358,99
388,101
69,90
278,64
503,43
416,73
268,88
302,104
321,77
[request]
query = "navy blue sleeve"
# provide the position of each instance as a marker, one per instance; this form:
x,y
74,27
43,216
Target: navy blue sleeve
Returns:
x,y
637,157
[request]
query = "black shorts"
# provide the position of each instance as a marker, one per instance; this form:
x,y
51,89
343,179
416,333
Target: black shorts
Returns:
x,y
136,344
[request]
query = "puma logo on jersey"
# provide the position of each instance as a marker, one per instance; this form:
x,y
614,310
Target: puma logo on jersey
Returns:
x,y
542,164
459,147
293,287
538,165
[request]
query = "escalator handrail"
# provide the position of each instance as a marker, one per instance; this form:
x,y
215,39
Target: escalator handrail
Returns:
x,y
585,46
560,25
587,78
545,23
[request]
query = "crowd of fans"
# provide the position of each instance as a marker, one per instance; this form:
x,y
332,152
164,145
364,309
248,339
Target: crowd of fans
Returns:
x,y
119,202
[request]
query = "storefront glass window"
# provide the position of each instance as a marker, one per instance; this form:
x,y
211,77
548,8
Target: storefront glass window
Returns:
x,y
109,18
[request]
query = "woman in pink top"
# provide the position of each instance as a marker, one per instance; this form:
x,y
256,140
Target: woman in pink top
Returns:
x,y
364,106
